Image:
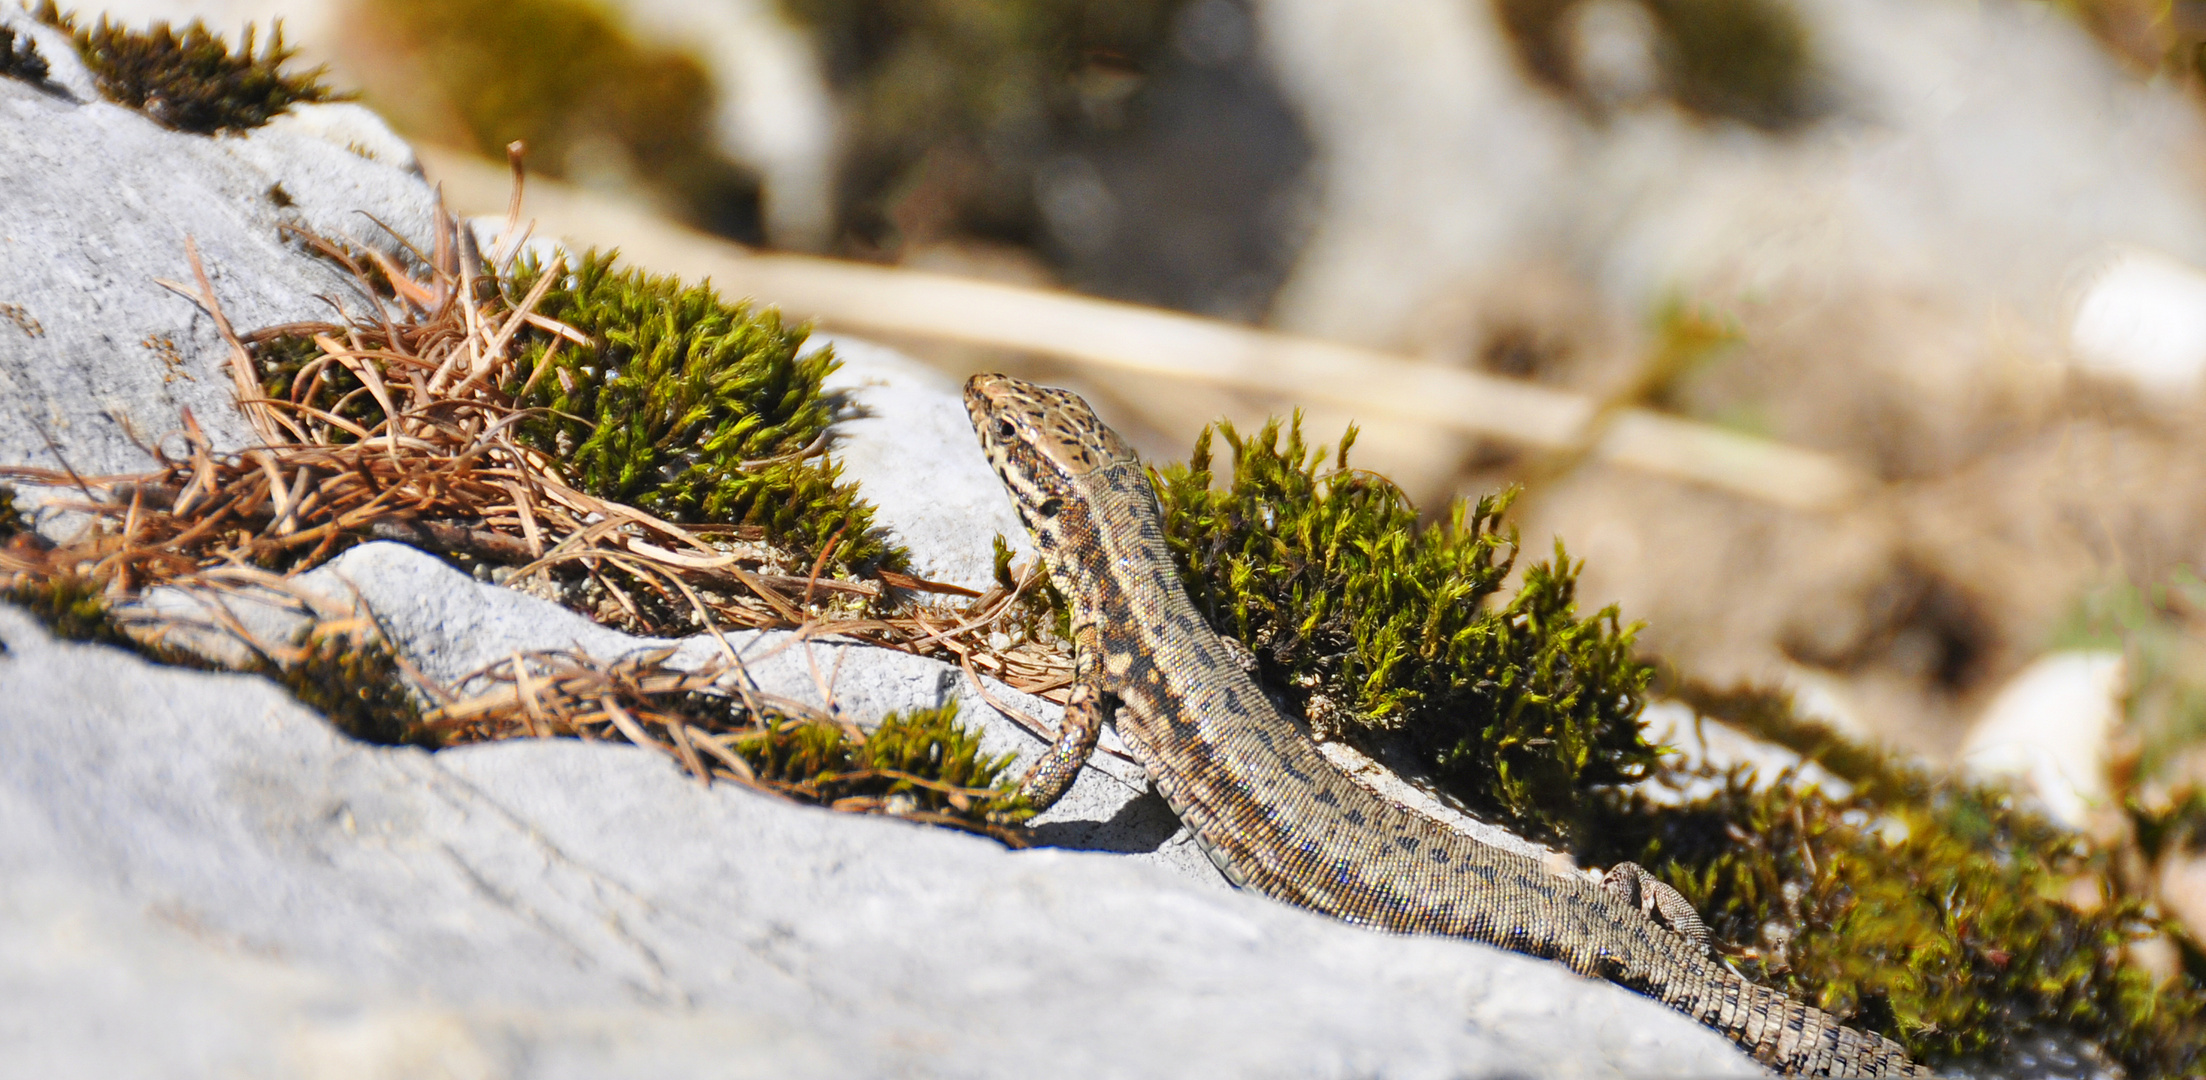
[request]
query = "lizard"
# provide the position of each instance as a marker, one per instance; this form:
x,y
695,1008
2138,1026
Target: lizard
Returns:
x,y
1273,814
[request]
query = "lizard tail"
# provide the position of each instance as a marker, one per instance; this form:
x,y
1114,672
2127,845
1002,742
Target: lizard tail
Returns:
x,y
1789,1037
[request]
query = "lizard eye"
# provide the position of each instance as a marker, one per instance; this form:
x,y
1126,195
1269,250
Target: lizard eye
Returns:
x,y
1050,507
1005,429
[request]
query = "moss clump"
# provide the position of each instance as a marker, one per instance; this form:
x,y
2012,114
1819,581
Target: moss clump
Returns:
x,y
332,387
926,757
19,58
356,685
71,608
691,408
1932,911
190,80
1374,624
1935,912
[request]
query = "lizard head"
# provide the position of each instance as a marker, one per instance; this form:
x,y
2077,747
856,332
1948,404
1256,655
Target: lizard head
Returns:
x,y
1039,439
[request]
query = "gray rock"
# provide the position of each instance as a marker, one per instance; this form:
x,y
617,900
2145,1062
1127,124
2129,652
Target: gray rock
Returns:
x,y
450,626
100,205
905,438
200,876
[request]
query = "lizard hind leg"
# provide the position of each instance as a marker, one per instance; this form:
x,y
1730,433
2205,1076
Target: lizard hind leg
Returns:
x,y
1631,883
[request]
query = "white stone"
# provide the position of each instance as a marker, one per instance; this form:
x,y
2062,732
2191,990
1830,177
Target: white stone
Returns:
x,y
101,203
1698,740
2047,731
2142,316
351,126
198,876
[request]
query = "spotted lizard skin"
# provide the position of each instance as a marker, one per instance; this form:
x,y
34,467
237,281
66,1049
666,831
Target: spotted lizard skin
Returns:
x,y
1268,809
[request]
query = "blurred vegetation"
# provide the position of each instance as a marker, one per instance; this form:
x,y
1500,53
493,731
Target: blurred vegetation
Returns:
x,y
1745,60
188,79
2160,630
2154,37
951,105
590,100
1754,60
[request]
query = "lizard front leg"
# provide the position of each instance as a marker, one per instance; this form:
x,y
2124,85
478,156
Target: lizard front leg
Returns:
x,y
1085,711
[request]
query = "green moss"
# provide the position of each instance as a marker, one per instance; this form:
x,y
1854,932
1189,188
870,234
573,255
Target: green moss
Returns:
x,y
333,388
71,608
1374,624
1927,909
189,79
692,408
924,756
684,405
584,94
357,686
1689,340
1743,59
19,58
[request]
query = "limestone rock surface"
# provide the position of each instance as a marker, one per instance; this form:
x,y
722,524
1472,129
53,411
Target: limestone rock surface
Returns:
x,y
904,437
200,876
102,204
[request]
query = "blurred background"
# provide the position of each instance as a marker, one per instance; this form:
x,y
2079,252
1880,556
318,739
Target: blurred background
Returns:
x,y
1930,270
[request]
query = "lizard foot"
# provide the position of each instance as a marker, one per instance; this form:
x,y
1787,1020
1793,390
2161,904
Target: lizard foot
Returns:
x,y
1631,883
